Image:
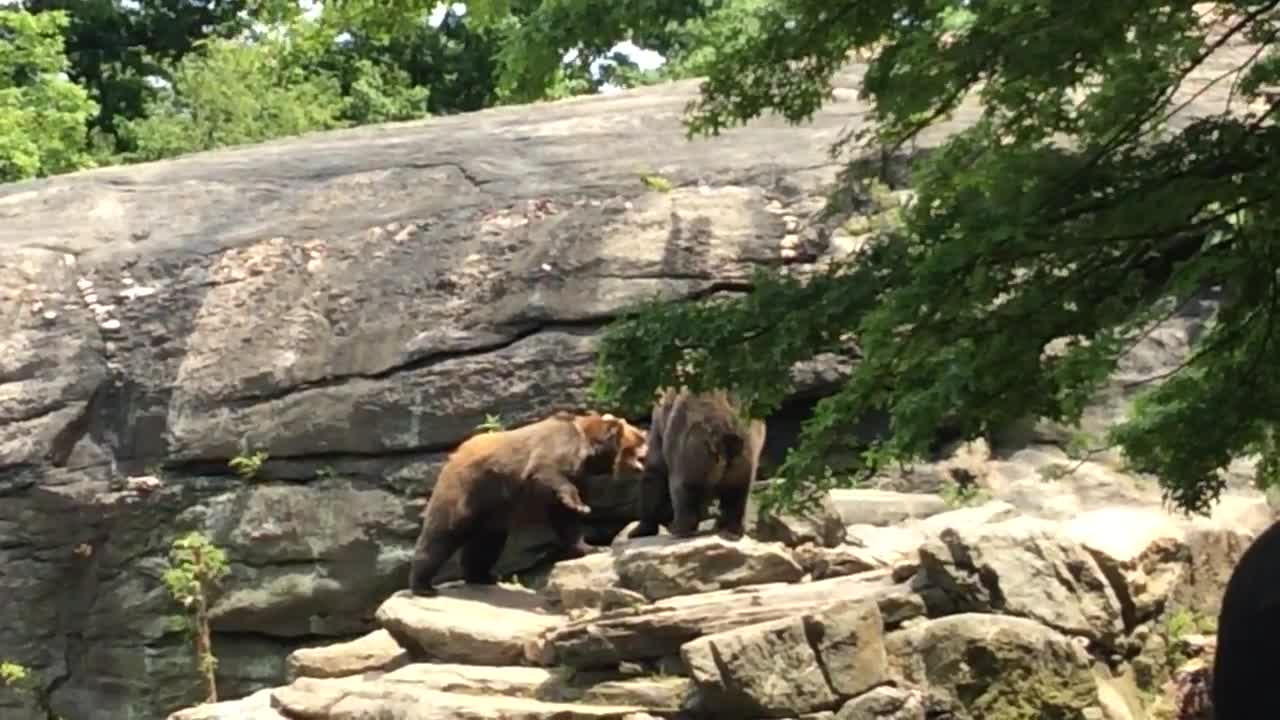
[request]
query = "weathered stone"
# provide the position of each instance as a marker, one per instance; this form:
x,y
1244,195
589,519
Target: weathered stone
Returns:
x,y
667,694
664,566
1118,696
256,706
614,598
968,517
848,638
764,670
792,665
862,506
821,525
343,699
997,666
474,625
1142,551
510,681
327,530
661,628
884,703
1025,567
372,652
828,562
899,547
583,582
892,545
1215,545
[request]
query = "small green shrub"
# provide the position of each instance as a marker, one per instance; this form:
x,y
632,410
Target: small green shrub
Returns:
x,y
247,466
196,566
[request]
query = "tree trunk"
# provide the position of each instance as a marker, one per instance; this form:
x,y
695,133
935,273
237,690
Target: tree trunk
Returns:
x,y
204,650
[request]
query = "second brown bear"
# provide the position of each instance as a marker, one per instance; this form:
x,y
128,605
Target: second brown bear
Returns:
x,y
699,447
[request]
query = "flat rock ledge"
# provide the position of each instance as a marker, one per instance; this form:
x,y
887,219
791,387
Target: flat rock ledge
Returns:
x,y
989,612
481,626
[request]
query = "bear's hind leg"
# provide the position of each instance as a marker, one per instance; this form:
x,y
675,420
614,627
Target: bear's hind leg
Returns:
x,y
687,501
434,548
568,528
733,509
655,497
480,553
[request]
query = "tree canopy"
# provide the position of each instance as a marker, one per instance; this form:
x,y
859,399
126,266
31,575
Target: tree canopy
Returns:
x,y
42,113
1070,211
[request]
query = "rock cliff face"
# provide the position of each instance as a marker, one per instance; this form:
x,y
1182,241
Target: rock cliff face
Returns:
x,y
353,304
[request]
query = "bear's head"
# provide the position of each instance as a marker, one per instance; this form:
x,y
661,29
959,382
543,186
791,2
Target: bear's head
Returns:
x,y
634,445
614,440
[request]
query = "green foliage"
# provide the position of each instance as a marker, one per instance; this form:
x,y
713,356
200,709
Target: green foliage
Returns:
x,y
247,466
379,93
374,85
533,37
42,114
962,494
656,183
801,497
114,45
1016,238
22,680
492,423
13,675
1175,626
196,566
231,93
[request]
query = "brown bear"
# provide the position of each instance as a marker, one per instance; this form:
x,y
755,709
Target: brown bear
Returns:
x,y
498,481
701,446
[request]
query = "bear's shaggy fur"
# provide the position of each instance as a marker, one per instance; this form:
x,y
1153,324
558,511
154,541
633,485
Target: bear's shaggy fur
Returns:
x,y
701,447
498,481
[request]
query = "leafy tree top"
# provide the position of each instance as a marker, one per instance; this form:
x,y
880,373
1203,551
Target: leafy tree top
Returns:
x,y
1046,239
42,112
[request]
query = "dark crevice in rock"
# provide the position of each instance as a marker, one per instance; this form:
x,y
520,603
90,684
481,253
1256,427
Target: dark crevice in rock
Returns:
x,y
64,442
814,631
716,285
1128,610
283,640
78,605
283,563
422,362
475,182
17,479
217,467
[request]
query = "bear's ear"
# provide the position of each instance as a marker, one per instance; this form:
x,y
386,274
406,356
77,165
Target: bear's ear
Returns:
x,y
615,428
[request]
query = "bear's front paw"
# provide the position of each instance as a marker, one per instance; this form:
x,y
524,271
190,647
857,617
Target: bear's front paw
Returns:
x,y
426,591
